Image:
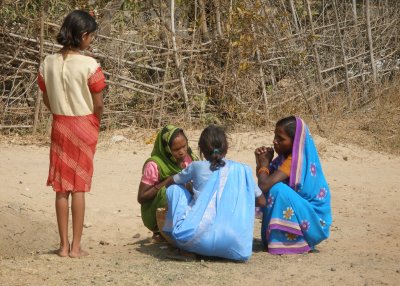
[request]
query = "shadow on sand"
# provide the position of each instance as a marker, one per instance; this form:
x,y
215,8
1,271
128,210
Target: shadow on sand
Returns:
x,y
167,252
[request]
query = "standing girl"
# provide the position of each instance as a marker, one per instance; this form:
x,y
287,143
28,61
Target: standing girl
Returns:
x,y
298,212
72,85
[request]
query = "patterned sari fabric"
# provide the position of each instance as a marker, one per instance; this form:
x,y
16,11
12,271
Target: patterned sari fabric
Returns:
x,y
298,214
73,144
167,166
220,222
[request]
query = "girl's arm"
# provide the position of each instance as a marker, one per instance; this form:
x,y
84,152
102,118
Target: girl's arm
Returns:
x,y
260,198
148,192
98,105
185,176
46,100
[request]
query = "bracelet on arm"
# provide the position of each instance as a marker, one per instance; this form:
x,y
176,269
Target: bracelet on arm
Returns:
x,y
156,187
263,170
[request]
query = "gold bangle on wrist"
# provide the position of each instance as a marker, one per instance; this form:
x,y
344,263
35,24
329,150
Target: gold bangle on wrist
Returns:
x,y
263,170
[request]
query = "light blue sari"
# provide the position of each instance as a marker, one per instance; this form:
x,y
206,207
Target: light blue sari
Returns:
x,y
220,222
298,216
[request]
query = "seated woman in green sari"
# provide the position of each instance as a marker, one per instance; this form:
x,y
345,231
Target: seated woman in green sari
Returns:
x,y
170,155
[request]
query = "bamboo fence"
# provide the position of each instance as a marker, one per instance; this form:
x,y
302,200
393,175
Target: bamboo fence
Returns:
x,y
229,62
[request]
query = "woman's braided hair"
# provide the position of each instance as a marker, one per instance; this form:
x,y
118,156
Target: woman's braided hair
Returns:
x,y
213,145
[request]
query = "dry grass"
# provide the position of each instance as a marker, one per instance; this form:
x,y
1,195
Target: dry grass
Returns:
x,y
374,126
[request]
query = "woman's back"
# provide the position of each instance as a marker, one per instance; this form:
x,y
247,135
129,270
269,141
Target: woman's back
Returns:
x,y
220,222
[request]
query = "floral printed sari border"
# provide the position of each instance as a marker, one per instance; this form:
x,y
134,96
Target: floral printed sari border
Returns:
x,y
288,248
285,225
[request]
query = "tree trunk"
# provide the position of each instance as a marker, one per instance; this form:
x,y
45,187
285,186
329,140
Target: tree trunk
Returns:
x,y
203,21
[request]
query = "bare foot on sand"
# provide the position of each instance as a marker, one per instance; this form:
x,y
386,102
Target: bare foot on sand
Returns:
x,y
78,254
182,255
62,251
157,238
187,254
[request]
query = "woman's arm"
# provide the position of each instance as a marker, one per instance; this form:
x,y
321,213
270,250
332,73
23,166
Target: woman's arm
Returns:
x,y
98,105
261,201
148,192
265,181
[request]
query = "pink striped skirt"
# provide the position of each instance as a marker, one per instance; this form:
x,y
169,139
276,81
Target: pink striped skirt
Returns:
x,y
73,144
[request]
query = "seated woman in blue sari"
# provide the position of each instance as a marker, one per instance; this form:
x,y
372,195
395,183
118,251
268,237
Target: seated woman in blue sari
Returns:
x,y
217,218
298,212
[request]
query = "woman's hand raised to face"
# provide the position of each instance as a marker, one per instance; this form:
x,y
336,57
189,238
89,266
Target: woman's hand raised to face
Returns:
x,y
270,153
264,156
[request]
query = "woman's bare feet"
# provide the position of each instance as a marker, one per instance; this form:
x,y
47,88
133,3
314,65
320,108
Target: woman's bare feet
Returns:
x,y
187,254
157,238
78,254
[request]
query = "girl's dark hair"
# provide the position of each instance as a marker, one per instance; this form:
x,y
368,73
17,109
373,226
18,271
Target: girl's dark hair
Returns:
x,y
75,25
213,144
289,125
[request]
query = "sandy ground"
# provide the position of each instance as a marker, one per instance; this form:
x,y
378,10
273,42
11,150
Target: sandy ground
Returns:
x,y
363,248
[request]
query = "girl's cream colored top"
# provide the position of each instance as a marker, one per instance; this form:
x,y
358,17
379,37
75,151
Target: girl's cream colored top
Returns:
x,y
70,82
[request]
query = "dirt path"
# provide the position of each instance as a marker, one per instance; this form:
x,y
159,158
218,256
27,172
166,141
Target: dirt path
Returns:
x,y
363,248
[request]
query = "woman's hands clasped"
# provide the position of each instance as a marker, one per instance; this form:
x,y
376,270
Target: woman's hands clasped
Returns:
x,y
264,156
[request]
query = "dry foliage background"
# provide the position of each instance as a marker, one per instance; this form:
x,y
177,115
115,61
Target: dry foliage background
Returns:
x,y
239,63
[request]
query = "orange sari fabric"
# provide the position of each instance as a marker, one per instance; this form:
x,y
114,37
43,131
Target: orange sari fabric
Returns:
x,y
73,144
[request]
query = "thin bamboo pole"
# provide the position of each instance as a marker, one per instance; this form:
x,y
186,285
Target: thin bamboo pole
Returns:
x,y
317,60
294,15
160,115
39,93
218,17
354,9
228,54
371,46
346,72
262,77
178,63
14,126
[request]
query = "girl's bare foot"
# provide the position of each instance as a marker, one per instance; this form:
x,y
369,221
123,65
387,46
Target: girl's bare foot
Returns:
x,y
78,254
63,251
